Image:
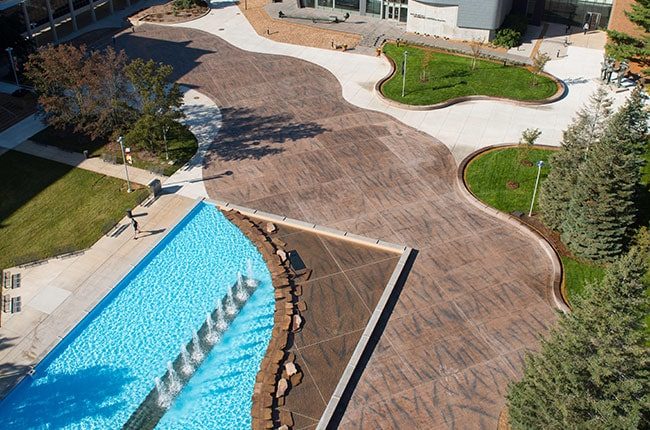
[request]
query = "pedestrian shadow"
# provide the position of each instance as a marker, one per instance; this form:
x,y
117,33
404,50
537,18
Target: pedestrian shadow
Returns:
x,y
146,233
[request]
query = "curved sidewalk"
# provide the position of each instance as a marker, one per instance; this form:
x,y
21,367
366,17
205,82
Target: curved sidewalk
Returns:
x,y
462,128
477,296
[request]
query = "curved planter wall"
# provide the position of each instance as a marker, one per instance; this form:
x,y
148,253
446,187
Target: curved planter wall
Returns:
x,y
562,89
557,290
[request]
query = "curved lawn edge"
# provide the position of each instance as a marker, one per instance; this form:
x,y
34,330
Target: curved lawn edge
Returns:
x,y
558,291
560,93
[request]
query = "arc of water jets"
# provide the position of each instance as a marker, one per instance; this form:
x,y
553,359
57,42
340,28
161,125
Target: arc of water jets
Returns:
x,y
224,312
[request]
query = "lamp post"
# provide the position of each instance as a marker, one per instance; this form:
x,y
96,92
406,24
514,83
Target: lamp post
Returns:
x,y
540,163
165,129
404,73
13,66
120,140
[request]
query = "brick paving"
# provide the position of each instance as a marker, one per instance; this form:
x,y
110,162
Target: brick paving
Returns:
x,y
477,296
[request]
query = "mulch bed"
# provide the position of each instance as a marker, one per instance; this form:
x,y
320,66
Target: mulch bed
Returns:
x,y
168,13
550,235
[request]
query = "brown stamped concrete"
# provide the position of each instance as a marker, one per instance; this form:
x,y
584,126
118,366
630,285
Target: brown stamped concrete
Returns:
x,y
477,296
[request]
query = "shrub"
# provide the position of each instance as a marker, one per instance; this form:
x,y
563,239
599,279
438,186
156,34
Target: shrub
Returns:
x,y
186,4
513,27
507,37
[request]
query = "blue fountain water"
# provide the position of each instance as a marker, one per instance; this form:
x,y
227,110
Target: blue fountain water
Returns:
x,y
100,373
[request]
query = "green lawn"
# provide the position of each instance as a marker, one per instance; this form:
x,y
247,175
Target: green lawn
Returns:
x,y
49,208
487,177
451,76
181,142
578,273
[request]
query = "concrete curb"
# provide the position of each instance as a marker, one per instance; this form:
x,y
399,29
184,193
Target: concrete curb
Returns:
x,y
556,295
319,229
363,344
561,92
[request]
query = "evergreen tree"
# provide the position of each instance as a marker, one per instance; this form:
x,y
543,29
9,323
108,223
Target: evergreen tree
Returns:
x,y
586,128
593,370
602,209
636,47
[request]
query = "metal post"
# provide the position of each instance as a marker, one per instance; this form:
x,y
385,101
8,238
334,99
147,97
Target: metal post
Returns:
x,y
110,7
51,19
12,64
540,163
73,16
120,140
404,73
92,10
28,24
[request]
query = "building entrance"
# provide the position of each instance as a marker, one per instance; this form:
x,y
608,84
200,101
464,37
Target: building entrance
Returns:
x,y
395,11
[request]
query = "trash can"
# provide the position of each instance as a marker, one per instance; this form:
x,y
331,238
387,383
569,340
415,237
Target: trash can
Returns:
x,y
129,213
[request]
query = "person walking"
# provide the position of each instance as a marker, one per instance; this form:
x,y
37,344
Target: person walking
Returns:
x,y
585,28
136,229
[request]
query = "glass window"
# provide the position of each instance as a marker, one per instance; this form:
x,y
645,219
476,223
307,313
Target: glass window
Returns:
x,y
373,7
325,3
347,4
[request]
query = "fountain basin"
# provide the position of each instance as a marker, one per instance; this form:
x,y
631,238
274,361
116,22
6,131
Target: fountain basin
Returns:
x,y
103,370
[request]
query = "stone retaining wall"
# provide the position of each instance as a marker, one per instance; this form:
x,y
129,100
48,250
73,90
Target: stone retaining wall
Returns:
x,y
278,369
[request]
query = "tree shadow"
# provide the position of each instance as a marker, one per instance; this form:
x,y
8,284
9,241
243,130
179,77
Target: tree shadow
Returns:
x,y
457,74
59,400
247,135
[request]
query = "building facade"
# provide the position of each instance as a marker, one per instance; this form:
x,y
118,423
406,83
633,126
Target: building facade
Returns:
x,y
457,19
471,19
575,12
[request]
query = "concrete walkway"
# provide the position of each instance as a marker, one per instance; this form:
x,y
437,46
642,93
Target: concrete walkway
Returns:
x,y
202,117
464,127
58,294
94,164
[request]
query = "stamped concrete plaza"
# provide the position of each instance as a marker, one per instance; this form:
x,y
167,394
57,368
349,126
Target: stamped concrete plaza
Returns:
x,y
477,296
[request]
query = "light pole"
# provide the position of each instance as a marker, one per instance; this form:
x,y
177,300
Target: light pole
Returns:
x,y
540,163
13,66
404,73
120,140
165,129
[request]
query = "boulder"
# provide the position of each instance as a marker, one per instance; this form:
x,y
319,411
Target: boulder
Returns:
x,y
296,379
297,322
290,368
283,386
286,418
271,228
282,254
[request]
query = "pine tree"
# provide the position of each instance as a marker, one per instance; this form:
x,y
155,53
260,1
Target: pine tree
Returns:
x,y
593,370
555,192
636,47
602,210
